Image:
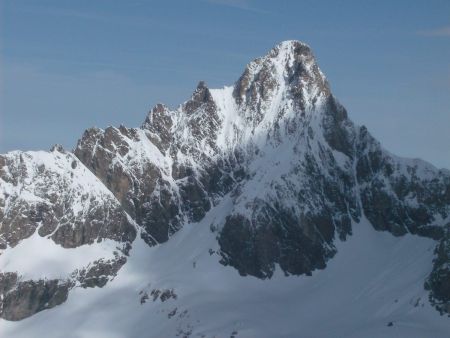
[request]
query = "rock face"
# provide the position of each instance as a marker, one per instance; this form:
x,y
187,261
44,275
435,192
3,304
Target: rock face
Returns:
x,y
99,272
278,145
439,280
54,195
21,299
59,197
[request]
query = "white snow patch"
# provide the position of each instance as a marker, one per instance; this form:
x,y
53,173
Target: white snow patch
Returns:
x,y
38,257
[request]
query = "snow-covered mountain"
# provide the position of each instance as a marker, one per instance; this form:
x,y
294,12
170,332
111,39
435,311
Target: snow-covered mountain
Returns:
x,y
256,210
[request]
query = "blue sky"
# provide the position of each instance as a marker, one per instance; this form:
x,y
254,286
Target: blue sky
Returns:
x,y
69,65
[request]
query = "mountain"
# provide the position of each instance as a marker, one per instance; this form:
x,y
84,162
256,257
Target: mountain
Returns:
x,y
256,210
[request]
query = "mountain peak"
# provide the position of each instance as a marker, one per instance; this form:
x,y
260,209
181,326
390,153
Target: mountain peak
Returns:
x,y
292,47
285,54
289,69
201,96
201,85
159,110
201,93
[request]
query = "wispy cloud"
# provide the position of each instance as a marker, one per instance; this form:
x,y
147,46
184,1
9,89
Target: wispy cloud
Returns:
x,y
442,31
245,5
107,18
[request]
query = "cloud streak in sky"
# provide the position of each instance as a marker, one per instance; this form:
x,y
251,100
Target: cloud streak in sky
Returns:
x,y
85,15
442,31
239,4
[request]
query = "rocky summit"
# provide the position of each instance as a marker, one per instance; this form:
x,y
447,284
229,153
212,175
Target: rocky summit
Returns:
x,y
262,189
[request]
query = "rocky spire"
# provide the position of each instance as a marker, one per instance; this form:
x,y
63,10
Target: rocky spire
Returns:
x,y
157,126
201,96
289,66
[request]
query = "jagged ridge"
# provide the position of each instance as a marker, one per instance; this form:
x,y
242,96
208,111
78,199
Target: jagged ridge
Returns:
x,y
281,146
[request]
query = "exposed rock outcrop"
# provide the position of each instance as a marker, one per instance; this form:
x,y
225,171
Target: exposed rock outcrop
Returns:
x,y
21,299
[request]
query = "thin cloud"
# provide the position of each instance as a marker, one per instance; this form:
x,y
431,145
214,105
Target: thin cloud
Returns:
x,y
244,5
107,18
442,31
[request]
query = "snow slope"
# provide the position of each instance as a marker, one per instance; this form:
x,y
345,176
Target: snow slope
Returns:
x,y
374,279
37,257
